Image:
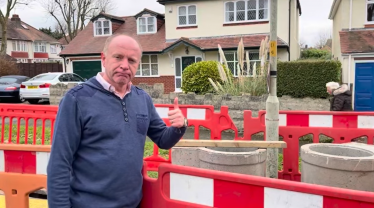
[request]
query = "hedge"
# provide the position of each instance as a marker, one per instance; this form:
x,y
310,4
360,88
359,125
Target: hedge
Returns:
x,y
307,78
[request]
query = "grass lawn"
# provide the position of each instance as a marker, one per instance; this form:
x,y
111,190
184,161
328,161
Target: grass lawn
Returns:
x,y
148,149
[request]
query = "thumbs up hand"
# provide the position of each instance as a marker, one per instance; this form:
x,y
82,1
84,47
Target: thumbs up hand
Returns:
x,y
176,117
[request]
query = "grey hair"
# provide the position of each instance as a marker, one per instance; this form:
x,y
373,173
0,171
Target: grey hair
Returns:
x,y
109,40
333,85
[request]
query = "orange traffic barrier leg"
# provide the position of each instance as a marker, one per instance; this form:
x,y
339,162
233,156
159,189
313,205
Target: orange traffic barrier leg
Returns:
x,y
17,187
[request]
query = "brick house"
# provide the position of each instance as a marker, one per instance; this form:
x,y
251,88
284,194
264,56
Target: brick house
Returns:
x,y
186,34
353,45
28,45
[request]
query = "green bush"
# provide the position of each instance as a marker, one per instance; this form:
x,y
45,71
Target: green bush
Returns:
x,y
307,78
195,77
315,54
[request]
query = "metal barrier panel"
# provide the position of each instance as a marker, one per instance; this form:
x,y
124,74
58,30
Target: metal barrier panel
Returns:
x,y
23,170
341,126
180,187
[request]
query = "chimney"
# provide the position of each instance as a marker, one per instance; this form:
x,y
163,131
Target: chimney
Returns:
x,y
15,18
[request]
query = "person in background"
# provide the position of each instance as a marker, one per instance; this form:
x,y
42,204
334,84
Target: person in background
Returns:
x,y
100,130
341,97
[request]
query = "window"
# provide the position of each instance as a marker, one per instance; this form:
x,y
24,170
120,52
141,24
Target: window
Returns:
x,y
40,60
187,15
44,77
232,62
19,46
146,24
102,27
248,10
53,49
40,47
22,61
370,11
148,66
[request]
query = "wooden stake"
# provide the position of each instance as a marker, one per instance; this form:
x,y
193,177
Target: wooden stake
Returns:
x,y
231,143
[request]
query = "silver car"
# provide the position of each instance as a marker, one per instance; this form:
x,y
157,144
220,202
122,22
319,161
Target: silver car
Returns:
x,y
37,88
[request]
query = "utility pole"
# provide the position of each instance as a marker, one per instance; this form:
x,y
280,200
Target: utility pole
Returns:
x,y
272,103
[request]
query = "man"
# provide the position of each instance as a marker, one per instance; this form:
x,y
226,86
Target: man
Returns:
x,y
342,97
100,130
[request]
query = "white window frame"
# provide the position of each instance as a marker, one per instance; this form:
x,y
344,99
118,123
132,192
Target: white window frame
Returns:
x,y
236,62
40,45
102,20
187,14
40,60
22,60
55,49
150,66
366,12
20,46
146,23
246,12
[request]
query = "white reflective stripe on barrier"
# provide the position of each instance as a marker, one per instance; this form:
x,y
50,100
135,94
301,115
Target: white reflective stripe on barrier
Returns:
x,y
2,161
42,159
365,122
276,198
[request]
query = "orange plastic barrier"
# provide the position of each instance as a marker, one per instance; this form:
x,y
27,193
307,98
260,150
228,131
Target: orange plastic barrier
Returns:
x,y
197,115
180,187
22,171
341,126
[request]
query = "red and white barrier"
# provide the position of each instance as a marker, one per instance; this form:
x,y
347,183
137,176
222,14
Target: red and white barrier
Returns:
x,y
321,120
181,186
210,192
197,115
343,127
24,162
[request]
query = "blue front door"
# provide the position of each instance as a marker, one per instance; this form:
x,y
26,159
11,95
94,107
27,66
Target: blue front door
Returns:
x,y
364,87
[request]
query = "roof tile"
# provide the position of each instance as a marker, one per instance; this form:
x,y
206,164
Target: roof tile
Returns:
x,y
18,32
357,41
86,43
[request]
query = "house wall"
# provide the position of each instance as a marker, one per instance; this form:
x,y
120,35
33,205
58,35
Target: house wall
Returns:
x,y
341,21
30,50
212,23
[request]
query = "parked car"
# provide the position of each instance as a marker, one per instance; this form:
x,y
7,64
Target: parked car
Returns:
x,y
10,87
37,88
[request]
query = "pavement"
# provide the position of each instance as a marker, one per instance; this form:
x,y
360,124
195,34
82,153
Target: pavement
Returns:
x,y
33,202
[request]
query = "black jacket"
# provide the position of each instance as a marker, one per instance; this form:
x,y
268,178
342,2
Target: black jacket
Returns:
x,y
342,100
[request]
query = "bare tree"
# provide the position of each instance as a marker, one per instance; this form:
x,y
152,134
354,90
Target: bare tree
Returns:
x,y
323,36
4,16
302,42
72,15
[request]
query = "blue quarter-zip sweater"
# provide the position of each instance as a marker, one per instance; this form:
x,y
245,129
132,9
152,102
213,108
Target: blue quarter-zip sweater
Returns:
x,y
98,144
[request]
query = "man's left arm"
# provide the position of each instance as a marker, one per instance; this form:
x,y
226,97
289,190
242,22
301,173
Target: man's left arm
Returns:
x,y
166,137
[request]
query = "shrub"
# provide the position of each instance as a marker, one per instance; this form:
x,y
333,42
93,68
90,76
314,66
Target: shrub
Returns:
x,y
315,54
307,78
195,77
7,67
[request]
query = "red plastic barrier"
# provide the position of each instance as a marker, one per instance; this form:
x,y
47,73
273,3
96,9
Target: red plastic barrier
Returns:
x,y
197,115
341,126
180,187
25,113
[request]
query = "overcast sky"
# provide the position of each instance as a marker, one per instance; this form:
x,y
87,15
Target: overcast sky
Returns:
x,y
313,21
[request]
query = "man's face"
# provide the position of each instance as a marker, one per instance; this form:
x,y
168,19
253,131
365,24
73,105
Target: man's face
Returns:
x,y
121,60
